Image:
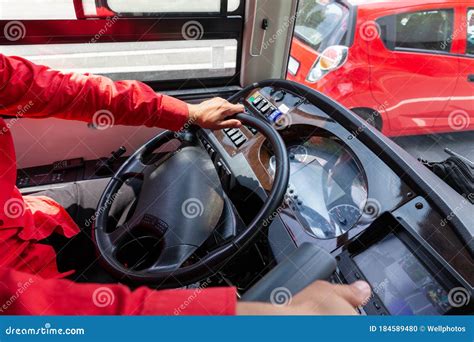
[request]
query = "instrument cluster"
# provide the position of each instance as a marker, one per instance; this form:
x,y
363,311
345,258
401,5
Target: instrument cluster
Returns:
x,y
327,190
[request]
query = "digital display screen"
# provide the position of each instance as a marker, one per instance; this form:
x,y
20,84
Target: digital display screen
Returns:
x,y
400,280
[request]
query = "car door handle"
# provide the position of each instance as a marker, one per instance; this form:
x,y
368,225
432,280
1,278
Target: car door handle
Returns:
x,y
470,78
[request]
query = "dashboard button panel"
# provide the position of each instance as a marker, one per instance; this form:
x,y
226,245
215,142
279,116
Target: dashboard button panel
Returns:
x,y
237,137
265,107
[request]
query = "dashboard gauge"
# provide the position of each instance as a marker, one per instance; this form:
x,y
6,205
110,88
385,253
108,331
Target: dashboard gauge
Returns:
x,y
344,217
322,228
327,186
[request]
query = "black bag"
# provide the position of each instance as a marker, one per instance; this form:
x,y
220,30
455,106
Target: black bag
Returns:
x,y
457,173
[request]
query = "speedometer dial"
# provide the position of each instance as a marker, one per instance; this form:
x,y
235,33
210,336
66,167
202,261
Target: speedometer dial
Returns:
x,y
344,217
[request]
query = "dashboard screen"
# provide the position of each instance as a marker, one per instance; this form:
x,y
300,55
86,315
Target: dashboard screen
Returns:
x,y
400,280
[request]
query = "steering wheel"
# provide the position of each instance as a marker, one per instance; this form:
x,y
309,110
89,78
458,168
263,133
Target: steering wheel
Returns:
x,y
179,224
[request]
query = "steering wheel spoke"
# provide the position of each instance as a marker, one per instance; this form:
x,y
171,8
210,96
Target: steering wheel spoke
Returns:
x,y
136,169
119,234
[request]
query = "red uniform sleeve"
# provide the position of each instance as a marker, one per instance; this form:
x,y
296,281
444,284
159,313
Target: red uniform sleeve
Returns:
x,y
24,294
30,90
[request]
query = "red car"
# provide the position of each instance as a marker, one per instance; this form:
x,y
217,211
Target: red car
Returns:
x,y
405,66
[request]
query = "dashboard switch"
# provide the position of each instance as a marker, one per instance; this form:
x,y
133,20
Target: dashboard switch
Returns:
x,y
239,142
275,115
233,132
237,136
262,104
265,109
212,153
257,101
252,129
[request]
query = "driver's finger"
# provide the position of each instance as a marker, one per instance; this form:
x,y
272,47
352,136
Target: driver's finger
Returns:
x,y
233,109
230,124
356,294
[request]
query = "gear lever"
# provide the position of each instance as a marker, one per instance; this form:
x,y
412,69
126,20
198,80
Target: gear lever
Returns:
x,y
303,267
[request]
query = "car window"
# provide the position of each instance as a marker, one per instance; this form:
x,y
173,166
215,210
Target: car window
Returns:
x,y
321,25
149,41
470,31
421,30
37,9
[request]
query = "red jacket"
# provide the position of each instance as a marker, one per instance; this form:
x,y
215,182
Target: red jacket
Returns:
x,y
30,283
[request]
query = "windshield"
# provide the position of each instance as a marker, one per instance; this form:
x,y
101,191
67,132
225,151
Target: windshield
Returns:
x,y
409,72
321,25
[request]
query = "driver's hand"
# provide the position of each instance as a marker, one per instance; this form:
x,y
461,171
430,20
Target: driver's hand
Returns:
x,y
320,298
213,114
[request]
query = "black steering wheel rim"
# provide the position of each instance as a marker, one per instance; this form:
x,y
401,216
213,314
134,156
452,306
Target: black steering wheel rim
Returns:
x,y
211,263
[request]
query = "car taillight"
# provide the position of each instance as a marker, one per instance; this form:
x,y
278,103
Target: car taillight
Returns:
x,y
330,59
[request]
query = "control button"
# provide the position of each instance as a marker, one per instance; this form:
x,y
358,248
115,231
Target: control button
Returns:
x,y
237,137
262,104
252,129
212,153
225,176
233,132
24,181
227,129
357,275
377,306
275,115
240,141
256,101
57,177
265,109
